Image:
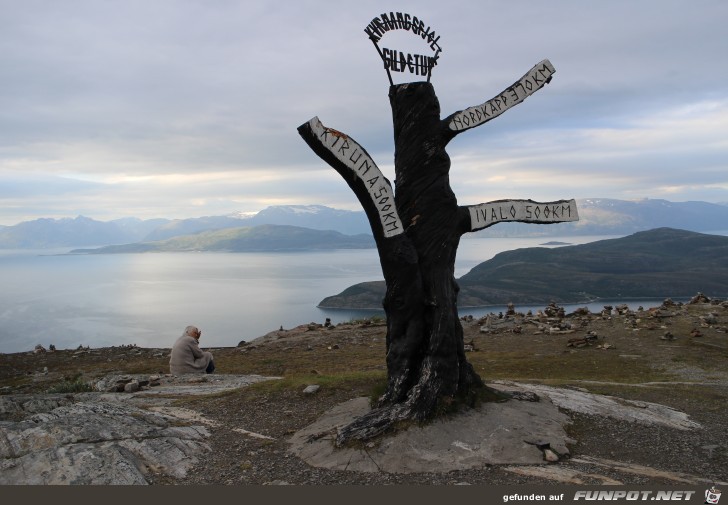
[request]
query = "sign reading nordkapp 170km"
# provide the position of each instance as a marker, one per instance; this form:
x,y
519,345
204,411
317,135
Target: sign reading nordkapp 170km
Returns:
x,y
514,94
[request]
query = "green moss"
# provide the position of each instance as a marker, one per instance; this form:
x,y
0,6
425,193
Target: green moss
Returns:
x,y
375,319
76,385
378,389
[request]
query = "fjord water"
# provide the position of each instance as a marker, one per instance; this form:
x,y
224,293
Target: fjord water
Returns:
x,y
100,300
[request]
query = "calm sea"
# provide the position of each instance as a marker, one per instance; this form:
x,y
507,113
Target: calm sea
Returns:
x,y
48,297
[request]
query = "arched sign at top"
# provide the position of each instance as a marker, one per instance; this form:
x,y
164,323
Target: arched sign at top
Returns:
x,y
399,61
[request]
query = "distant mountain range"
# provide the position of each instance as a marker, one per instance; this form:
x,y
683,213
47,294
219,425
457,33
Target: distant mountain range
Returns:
x,y
598,217
47,233
603,216
316,217
659,263
82,231
266,237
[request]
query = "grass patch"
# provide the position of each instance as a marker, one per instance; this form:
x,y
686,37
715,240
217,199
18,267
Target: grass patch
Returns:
x,y
345,385
705,355
378,389
75,385
375,319
345,380
584,364
299,361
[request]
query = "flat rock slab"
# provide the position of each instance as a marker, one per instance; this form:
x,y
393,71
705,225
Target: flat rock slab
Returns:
x,y
108,438
507,433
97,443
581,401
184,385
202,384
495,433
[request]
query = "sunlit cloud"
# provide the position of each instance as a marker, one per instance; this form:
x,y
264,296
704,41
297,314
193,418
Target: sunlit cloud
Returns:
x,y
172,110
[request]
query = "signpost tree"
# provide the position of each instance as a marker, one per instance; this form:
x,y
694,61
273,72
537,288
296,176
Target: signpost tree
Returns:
x,y
417,228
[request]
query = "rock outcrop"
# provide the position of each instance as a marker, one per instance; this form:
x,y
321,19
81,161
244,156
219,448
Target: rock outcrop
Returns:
x,y
93,442
118,436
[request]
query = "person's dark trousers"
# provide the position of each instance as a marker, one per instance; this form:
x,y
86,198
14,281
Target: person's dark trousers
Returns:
x,y
210,367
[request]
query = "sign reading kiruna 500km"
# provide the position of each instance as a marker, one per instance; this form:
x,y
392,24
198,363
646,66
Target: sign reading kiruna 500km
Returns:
x,y
361,165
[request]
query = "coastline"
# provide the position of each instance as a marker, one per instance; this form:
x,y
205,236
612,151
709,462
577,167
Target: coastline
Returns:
x,y
247,429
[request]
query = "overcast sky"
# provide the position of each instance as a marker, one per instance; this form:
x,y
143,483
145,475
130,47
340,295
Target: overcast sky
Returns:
x,y
189,108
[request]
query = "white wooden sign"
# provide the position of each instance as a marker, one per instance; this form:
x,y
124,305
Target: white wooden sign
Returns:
x,y
523,211
534,80
356,159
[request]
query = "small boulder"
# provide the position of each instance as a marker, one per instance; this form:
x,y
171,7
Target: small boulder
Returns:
x,y
131,387
667,336
550,456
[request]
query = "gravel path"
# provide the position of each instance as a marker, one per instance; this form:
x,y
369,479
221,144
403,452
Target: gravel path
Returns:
x,y
659,455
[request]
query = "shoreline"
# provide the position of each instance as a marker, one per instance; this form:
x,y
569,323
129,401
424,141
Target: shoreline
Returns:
x,y
378,314
673,355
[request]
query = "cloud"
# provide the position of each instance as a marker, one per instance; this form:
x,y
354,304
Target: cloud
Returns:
x,y
671,153
137,105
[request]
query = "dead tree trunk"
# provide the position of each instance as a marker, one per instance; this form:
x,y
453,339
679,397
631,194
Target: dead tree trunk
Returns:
x,y
417,240
426,361
434,223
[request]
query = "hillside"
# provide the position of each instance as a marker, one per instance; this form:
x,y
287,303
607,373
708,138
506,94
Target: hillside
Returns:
x,y
652,264
245,239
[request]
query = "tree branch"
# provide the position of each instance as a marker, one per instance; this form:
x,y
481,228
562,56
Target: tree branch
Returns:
x,y
404,300
361,174
514,94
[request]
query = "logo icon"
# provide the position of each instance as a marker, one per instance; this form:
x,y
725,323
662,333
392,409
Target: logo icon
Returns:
x,y
712,496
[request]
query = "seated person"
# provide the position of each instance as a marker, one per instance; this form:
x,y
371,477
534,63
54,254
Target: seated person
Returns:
x,y
187,357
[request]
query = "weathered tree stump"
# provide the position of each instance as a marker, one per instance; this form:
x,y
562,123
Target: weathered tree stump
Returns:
x,y
417,232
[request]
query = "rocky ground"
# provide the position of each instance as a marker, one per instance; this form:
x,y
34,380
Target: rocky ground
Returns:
x,y
674,355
